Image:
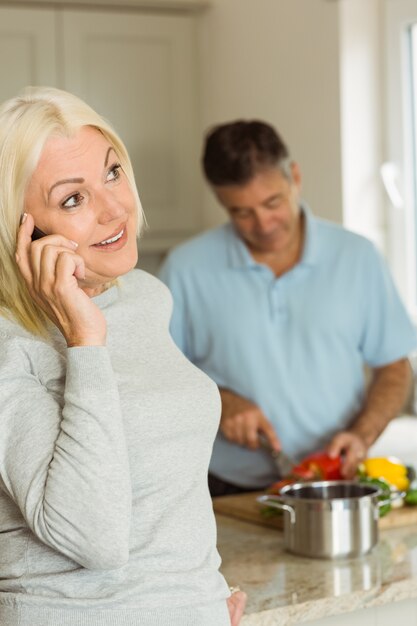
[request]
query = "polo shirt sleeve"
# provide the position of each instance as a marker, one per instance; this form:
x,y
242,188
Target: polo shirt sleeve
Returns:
x,y
178,325
388,333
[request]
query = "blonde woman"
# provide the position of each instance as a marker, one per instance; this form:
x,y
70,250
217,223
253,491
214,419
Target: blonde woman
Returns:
x,y
106,429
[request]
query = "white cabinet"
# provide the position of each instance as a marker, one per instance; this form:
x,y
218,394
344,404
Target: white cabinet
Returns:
x,y
138,70
170,5
27,49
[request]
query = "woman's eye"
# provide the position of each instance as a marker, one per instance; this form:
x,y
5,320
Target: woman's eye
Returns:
x,y
114,172
72,201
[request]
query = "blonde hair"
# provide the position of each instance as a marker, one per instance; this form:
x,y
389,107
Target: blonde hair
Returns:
x,y
26,123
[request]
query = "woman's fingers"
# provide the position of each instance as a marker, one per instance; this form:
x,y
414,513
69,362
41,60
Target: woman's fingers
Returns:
x,y
51,269
44,252
23,243
59,264
236,604
30,255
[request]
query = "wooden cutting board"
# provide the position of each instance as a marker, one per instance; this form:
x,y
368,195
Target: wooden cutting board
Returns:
x,y
245,507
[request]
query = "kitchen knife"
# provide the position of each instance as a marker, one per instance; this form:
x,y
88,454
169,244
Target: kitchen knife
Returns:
x,y
283,462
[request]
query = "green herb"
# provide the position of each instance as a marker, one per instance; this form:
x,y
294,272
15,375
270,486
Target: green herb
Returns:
x,y
385,488
269,511
411,497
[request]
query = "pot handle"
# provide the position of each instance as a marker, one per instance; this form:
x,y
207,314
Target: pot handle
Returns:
x,y
276,503
393,497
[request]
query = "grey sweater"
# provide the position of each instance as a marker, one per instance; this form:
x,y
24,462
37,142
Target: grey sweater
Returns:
x,y
105,515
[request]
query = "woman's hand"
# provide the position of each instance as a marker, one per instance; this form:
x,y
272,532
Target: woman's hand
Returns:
x,y
51,269
236,604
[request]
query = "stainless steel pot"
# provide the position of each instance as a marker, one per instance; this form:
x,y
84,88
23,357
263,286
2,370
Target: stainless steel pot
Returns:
x,y
328,519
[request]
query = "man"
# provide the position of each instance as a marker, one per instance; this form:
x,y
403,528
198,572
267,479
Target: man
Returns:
x,y
283,310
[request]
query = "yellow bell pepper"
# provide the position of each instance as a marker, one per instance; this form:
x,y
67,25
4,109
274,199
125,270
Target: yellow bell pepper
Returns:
x,y
393,471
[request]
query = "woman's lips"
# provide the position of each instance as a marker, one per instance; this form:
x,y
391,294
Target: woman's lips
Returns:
x,y
114,242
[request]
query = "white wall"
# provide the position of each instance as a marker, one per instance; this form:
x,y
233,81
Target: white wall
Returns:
x,y
362,99
278,60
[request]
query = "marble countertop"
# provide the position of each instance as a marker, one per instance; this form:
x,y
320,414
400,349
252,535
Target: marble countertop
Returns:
x,y
285,589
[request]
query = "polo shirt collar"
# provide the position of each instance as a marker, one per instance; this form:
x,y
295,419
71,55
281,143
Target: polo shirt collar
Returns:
x,y
240,257
310,255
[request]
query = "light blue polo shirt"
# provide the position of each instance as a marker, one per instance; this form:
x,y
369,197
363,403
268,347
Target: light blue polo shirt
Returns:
x,y
294,345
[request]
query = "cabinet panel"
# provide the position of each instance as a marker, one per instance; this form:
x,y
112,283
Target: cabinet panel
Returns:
x,y
138,71
27,49
170,5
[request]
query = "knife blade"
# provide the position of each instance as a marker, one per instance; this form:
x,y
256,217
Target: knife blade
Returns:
x,y
283,462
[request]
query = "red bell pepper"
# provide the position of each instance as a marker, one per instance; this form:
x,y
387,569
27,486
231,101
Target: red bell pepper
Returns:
x,y
320,466
276,487
315,466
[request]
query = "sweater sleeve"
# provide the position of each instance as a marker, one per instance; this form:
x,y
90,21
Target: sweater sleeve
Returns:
x,y
64,460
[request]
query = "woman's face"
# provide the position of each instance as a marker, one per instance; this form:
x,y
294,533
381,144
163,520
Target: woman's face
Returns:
x,y
80,191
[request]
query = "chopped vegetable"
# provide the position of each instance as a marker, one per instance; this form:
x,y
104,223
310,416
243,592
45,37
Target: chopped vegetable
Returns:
x,y
389,469
411,497
385,488
316,466
276,487
319,466
269,511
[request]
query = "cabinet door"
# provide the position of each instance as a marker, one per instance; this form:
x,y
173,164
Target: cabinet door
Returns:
x,y
27,49
137,70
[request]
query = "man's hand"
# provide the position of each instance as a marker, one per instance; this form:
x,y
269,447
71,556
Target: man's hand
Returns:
x,y
384,400
242,421
236,605
351,447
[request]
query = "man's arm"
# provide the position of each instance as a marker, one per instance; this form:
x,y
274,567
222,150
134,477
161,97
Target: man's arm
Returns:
x,y
386,396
